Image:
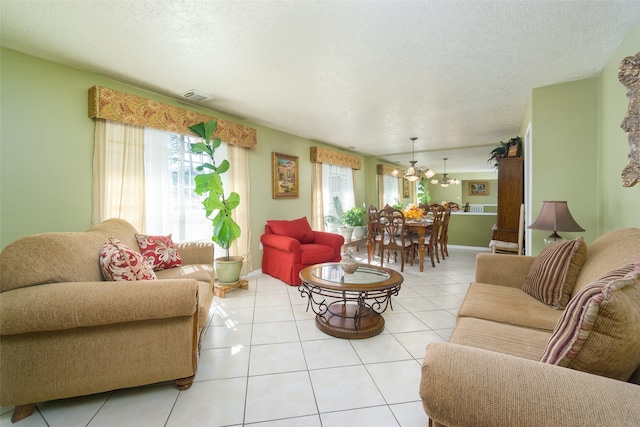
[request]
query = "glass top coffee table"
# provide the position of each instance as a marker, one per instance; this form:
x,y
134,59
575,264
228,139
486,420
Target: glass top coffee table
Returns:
x,y
349,305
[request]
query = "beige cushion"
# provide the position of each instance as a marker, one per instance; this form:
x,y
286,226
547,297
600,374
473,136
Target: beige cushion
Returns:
x,y
502,338
507,305
554,272
599,331
500,244
608,252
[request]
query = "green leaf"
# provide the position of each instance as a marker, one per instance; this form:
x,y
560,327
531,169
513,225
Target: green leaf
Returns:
x,y
224,166
225,230
202,183
205,165
198,129
209,129
204,130
211,204
232,201
200,147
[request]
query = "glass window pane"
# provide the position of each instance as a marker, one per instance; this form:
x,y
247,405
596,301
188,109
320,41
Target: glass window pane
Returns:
x,y
337,187
390,191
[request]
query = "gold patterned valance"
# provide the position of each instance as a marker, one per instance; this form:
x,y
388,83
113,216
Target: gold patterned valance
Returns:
x,y
110,104
388,170
324,155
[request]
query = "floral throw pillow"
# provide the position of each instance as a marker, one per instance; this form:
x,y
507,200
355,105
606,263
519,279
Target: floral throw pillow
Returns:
x,y
119,262
159,251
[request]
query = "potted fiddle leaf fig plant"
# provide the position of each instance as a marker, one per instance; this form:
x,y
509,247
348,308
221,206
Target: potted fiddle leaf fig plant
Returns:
x,y
218,206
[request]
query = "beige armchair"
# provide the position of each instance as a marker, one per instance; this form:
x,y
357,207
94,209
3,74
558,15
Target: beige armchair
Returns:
x,y
66,332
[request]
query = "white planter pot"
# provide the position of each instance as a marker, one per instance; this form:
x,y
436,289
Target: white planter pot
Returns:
x,y
346,232
359,231
331,228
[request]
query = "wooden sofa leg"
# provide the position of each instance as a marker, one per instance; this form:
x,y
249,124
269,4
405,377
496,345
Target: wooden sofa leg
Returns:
x,y
21,412
185,383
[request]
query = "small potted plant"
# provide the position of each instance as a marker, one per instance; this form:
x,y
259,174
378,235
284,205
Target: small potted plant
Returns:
x,y
209,183
354,217
503,150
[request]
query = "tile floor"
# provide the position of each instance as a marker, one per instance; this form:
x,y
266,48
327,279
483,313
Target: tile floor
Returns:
x,y
264,363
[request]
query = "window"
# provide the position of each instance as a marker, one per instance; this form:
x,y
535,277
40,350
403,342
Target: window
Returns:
x,y
390,190
337,186
171,204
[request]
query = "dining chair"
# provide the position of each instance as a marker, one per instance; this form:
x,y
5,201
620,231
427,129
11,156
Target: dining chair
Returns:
x,y
431,239
391,226
443,237
373,232
499,246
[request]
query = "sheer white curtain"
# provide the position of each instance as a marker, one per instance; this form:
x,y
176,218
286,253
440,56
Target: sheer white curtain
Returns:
x,y
239,181
157,182
317,208
118,173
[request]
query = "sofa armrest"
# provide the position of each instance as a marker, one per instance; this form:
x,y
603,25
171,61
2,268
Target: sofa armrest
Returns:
x,y
59,306
468,386
195,252
502,269
329,239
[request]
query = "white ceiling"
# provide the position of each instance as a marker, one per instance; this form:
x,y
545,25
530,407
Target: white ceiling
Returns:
x,y
365,74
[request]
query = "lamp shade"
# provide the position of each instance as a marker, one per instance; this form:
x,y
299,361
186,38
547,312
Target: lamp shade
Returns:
x,y
555,216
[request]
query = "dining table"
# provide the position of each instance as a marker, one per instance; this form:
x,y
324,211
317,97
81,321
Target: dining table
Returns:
x,y
420,227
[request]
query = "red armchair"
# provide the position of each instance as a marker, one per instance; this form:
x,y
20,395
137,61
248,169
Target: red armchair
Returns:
x,y
290,246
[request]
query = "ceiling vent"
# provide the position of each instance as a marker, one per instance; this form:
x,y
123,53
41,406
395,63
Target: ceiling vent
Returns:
x,y
195,95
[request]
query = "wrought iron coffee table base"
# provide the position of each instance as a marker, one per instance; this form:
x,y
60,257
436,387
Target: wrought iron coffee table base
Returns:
x,y
349,305
351,321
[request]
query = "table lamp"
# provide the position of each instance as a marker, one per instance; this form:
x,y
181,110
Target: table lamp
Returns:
x,y
555,216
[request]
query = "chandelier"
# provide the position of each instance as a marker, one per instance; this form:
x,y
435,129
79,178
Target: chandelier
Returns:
x,y
414,173
445,181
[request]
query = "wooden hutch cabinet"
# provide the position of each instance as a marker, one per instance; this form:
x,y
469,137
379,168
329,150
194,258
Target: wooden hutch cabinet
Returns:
x,y
510,197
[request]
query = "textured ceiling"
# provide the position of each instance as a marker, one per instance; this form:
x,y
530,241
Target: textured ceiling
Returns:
x,y
364,74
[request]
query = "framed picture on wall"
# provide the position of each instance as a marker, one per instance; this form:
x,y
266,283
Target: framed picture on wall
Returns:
x,y
478,188
405,189
285,174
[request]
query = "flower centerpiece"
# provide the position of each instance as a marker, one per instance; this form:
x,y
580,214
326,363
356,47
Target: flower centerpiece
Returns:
x,y
414,213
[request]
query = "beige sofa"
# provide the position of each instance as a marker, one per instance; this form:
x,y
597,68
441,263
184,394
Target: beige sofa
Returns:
x,y
490,374
66,332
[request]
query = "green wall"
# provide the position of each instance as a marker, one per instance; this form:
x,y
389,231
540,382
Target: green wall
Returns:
x,y
616,206
471,230
579,150
563,159
46,153
460,193
46,149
